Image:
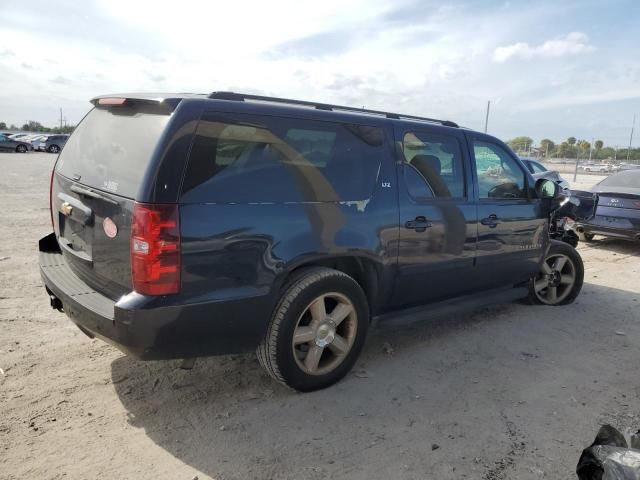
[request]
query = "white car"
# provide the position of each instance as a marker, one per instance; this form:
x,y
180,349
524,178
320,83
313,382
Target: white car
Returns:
x,y
595,168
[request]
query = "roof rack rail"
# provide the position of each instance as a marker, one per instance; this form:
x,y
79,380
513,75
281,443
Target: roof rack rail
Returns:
x,y
241,97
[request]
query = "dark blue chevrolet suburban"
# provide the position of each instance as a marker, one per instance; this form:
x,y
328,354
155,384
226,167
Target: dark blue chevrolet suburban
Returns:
x,y
189,225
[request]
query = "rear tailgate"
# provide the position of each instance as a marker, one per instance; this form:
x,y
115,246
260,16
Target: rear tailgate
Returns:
x,y
619,200
95,182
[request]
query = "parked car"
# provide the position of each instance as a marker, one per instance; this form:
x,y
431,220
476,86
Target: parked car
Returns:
x,y
618,212
40,143
192,225
539,171
627,166
595,168
31,138
9,145
55,143
17,136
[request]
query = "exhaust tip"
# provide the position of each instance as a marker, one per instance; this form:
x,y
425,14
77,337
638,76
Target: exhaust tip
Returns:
x,y
580,229
55,303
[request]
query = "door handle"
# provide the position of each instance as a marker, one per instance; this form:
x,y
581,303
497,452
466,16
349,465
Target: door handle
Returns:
x,y
420,224
491,221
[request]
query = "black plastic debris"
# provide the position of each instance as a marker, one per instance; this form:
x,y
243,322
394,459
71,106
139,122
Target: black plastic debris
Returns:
x,y
609,457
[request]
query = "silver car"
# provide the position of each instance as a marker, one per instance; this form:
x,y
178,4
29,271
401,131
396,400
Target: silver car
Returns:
x,y
55,143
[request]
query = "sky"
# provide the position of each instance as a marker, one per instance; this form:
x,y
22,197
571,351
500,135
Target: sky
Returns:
x,y
551,69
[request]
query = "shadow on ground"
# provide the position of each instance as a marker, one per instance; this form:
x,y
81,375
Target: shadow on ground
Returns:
x,y
615,245
495,390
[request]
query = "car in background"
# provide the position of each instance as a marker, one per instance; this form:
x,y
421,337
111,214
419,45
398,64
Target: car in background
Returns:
x,y
39,142
627,166
17,136
592,167
55,143
618,212
539,171
8,144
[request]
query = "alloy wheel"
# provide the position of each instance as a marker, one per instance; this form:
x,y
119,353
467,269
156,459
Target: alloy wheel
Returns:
x,y
325,333
556,280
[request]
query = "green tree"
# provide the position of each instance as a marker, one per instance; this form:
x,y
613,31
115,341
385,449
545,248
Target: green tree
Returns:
x,y
605,153
583,146
571,140
547,146
13,127
598,145
520,143
33,126
565,150
3,126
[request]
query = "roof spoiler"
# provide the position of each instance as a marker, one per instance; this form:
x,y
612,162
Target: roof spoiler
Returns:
x,y
121,100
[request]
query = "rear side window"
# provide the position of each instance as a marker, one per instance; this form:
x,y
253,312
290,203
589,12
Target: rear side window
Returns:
x,y
110,150
433,165
245,159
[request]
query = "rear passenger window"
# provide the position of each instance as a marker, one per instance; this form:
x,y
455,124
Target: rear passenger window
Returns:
x,y
433,165
245,159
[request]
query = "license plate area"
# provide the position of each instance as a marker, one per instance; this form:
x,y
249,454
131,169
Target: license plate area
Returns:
x,y
75,237
75,221
613,222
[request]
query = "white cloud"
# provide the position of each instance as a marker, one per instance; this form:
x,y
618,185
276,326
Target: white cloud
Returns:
x,y
571,44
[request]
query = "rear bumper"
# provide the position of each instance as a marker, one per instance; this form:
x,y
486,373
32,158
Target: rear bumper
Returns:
x,y
628,234
153,328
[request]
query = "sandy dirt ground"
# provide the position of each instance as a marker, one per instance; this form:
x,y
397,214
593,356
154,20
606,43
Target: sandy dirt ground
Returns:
x,y
506,392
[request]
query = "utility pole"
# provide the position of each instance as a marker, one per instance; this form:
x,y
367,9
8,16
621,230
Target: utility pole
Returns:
x,y
590,149
631,138
61,119
575,172
615,154
486,118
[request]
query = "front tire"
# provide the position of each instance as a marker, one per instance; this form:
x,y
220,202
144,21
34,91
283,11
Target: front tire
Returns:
x,y
561,277
21,149
54,149
317,331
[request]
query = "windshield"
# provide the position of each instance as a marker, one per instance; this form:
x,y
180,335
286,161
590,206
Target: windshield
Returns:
x,y
110,150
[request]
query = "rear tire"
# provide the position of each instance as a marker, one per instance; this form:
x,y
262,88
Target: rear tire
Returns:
x,y
21,149
561,278
54,149
317,331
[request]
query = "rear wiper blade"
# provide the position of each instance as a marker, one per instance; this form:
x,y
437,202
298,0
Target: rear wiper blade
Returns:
x,y
91,194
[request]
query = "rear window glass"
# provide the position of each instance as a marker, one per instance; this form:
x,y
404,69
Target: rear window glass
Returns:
x,y
110,151
246,159
623,179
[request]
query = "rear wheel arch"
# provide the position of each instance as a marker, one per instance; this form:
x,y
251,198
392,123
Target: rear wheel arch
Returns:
x,y
366,272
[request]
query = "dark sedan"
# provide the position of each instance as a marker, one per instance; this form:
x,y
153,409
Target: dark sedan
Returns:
x,y
618,213
9,145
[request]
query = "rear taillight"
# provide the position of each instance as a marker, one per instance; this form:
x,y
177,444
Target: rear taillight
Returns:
x,y
155,249
53,172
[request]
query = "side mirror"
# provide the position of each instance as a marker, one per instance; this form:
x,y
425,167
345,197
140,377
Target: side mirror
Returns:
x,y
546,188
